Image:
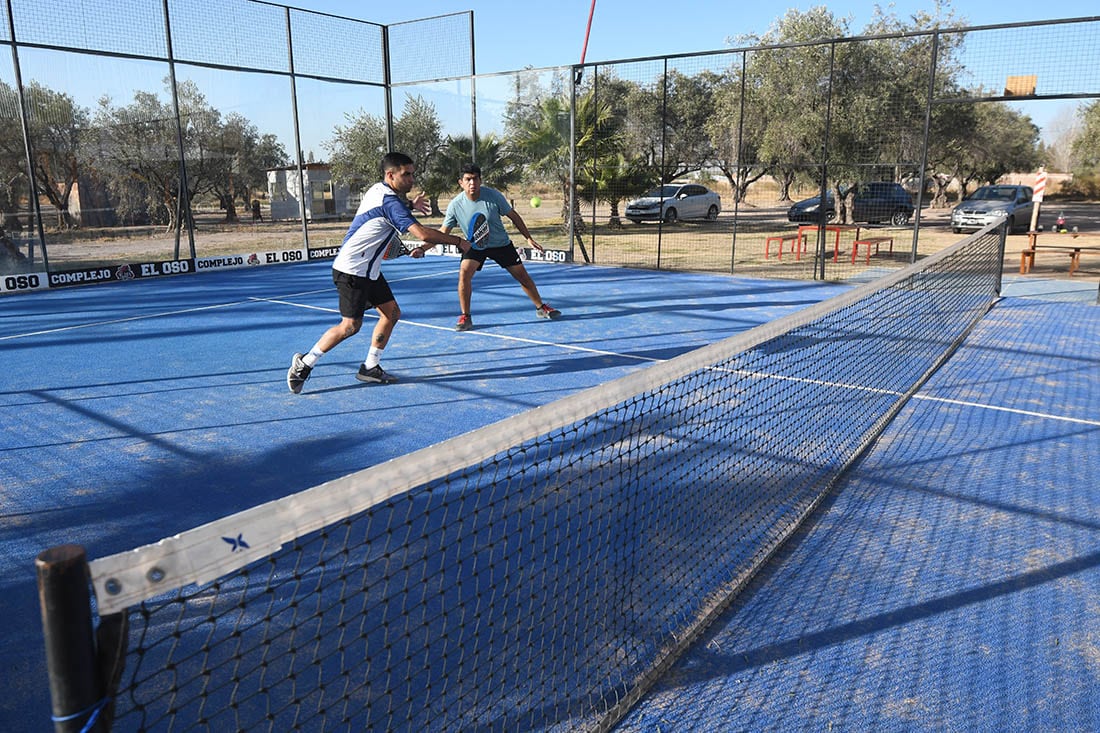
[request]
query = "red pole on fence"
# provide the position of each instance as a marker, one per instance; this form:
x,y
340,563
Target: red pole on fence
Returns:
x,y
591,12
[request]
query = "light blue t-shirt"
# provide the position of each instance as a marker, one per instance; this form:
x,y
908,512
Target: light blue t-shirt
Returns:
x,y
492,203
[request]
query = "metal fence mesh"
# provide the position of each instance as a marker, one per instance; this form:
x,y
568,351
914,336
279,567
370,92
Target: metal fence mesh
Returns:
x,y
764,128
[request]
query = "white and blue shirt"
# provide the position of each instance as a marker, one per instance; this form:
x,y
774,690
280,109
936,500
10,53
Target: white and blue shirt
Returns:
x,y
382,215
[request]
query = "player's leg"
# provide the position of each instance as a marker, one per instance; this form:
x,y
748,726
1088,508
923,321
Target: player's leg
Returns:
x,y
302,364
353,302
388,315
519,272
466,270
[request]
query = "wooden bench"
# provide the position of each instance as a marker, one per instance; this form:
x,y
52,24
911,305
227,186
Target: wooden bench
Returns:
x,y
866,243
1027,256
782,239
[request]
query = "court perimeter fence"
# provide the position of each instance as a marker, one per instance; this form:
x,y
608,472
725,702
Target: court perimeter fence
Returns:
x,y
144,138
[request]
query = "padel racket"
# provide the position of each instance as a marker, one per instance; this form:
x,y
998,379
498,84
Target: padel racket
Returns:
x,y
477,231
396,247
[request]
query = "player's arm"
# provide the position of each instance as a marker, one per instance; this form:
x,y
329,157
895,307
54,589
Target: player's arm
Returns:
x,y
424,248
521,227
432,237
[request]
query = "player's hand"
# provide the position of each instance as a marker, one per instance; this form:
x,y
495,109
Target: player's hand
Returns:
x,y
465,246
535,244
417,253
421,204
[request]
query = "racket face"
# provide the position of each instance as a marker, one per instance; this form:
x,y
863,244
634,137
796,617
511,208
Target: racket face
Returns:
x,y
477,231
394,248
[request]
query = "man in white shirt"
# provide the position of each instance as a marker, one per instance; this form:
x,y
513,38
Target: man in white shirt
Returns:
x,y
357,270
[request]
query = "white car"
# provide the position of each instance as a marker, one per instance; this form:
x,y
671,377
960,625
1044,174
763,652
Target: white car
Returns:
x,y
674,201
991,203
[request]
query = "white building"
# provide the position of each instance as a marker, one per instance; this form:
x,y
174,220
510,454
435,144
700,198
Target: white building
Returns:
x,y
323,200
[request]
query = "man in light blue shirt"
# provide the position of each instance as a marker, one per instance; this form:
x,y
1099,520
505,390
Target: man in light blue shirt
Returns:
x,y
477,198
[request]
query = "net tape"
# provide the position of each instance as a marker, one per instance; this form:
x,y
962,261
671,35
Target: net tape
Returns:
x,y
539,582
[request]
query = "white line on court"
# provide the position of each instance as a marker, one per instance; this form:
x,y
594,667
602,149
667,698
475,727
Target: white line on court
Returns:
x,y
485,334
1013,410
280,301
111,321
895,393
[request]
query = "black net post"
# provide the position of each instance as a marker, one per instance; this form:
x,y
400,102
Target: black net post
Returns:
x,y
63,595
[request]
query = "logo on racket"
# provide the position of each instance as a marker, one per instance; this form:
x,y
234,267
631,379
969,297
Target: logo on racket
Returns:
x,y
477,231
395,247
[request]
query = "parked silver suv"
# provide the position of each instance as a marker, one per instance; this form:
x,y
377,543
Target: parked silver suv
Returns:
x,y
989,203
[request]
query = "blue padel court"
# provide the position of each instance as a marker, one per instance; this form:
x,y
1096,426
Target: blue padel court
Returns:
x,y
948,583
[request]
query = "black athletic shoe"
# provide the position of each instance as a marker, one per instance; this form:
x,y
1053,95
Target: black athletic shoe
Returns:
x,y
545,311
298,373
465,323
375,374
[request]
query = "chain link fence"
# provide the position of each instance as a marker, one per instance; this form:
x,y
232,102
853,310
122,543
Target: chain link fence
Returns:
x,y
170,136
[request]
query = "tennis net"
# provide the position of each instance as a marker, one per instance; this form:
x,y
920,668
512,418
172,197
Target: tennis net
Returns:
x,y
539,573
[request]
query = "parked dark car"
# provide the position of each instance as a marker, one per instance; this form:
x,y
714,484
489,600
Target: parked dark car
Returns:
x,y
880,201
810,210
674,201
989,204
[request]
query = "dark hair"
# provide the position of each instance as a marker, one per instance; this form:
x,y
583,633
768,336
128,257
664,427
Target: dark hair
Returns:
x,y
392,161
472,168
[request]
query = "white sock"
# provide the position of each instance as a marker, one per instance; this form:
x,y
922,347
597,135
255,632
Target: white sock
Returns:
x,y
314,354
373,357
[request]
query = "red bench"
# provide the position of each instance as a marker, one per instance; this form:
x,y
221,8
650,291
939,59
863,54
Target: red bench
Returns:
x,y
782,239
866,244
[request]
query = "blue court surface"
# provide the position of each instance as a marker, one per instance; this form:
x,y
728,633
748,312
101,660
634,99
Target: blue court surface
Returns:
x,y
949,583
135,411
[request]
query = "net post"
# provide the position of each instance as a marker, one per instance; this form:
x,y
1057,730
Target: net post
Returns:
x,y
1002,243
63,582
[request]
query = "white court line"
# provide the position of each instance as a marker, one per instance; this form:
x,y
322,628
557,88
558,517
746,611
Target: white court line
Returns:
x,y
1013,410
112,321
78,326
484,334
279,301
929,398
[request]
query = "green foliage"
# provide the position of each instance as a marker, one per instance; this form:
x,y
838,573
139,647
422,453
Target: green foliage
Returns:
x,y
356,149
1086,147
1082,186
137,152
498,167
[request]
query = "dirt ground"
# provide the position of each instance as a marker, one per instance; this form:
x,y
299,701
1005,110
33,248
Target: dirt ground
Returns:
x,y
623,244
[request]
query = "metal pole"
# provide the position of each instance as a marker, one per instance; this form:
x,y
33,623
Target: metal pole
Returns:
x,y
664,144
927,134
28,150
571,194
297,133
1002,240
737,163
823,190
594,110
473,94
386,78
75,688
183,200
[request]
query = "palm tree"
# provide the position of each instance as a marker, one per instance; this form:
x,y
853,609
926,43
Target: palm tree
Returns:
x,y
498,165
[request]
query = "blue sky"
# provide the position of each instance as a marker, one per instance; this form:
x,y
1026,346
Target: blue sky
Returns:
x,y
517,34
514,34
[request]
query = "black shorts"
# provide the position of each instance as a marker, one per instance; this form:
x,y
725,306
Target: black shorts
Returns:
x,y
357,294
505,256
